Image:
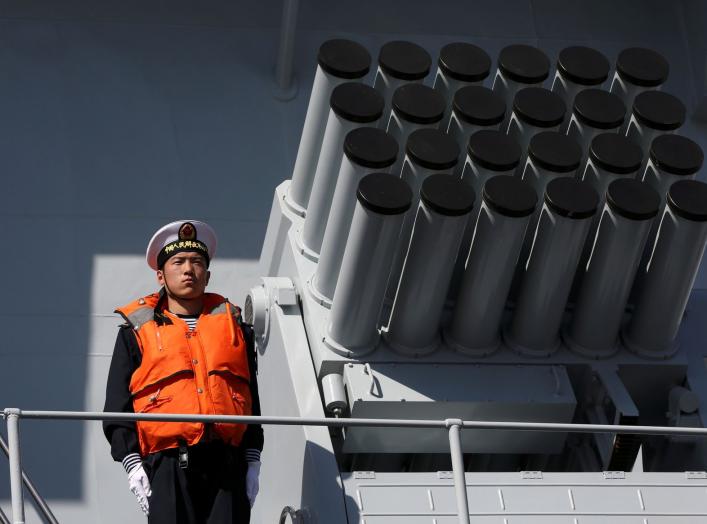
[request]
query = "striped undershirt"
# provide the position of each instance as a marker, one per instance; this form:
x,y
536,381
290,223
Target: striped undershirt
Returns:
x,y
190,320
132,460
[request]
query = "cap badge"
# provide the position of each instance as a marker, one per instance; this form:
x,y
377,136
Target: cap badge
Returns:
x,y
187,231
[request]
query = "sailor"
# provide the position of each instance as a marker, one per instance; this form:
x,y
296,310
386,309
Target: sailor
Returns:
x,y
182,350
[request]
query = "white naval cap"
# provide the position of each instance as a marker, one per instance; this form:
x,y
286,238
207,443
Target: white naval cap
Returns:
x,y
178,237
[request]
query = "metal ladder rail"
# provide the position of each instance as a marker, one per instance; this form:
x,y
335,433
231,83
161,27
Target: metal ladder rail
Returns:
x,y
3,517
38,499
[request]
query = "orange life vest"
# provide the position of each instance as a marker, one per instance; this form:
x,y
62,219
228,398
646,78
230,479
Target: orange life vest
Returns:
x,y
204,371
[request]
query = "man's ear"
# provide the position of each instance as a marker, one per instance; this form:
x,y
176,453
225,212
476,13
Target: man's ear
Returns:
x,y
208,276
160,277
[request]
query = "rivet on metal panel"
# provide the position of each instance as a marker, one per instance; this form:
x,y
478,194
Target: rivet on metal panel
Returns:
x,y
528,475
614,475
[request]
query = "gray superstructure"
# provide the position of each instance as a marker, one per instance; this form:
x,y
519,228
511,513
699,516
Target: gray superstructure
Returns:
x,y
104,103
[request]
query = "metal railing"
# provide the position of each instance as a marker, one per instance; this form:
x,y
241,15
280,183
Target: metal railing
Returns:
x,y
453,426
42,505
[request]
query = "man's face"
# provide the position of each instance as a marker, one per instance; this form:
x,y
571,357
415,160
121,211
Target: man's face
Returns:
x,y
185,275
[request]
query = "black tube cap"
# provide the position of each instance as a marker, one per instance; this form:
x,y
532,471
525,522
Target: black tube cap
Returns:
x,y
404,60
659,110
370,147
479,105
615,153
555,151
688,199
464,62
642,67
599,109
493,150
344,58
447,195
633,199
583,65
539,107
384,194
433,149
571,198
418,103
510,196
676,154
523,63
357,102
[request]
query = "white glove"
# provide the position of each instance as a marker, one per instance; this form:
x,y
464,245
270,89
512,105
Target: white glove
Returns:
x,y
252,481
140,486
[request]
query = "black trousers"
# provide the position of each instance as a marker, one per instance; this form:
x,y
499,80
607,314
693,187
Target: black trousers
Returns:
x,y
211,490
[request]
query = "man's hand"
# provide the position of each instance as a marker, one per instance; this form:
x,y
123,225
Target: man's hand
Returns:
x,y
252,481
140,486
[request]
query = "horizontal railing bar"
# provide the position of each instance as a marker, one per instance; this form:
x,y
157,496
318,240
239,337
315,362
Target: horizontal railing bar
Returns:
x,y
352,422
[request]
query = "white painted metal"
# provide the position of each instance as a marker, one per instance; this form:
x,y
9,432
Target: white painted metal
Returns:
x,y
400,129
447,86
311,139
337,229
664,286
489,266
516,498
422,288
13,442
458,468
467,391
32,489
642,135
628,91
386,84
600,178
360,289
606,284
539,176
333,393
522,132
567,90
461,130
414,175
507,89
324,184
661,180
545,283
583,133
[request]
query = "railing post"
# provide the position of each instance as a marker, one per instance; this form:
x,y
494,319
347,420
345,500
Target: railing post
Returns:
x,y
13,443
455,447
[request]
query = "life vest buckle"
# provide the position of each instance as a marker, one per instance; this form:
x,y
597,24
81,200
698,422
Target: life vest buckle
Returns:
x,y
183,455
